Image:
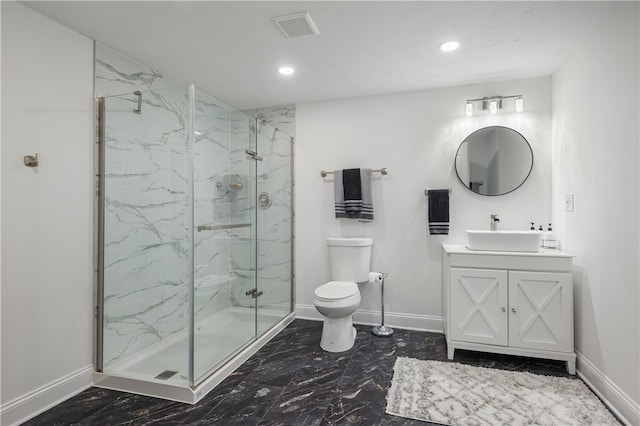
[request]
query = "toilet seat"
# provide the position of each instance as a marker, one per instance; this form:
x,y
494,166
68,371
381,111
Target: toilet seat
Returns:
x,y
335,291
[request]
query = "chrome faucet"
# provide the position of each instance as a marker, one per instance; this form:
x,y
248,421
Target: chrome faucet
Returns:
x,y
494,222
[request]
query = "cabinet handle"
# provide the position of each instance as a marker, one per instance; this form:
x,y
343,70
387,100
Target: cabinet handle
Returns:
x,y
513,310
504,309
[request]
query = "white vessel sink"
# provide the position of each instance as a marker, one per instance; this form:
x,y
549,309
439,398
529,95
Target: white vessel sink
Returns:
x,y
504,240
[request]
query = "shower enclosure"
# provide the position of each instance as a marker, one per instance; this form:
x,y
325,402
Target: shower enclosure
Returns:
x,y
194,240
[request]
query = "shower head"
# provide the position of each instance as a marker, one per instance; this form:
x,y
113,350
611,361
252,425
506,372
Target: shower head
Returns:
x,y
273,138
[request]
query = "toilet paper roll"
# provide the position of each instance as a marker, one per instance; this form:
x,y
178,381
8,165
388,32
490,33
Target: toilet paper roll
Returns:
x,y
375,276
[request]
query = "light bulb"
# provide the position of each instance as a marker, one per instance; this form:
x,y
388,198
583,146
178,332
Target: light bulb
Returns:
x,y
469,109
493,106
519,104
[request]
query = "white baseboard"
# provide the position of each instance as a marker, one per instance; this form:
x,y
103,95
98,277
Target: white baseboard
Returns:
x,y
615,398
33,403
392,319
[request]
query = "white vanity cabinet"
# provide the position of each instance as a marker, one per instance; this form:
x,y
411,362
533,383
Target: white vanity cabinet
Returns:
x,y
509,302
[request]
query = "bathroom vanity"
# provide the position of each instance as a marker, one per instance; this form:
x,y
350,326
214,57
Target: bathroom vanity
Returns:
x,y
517,303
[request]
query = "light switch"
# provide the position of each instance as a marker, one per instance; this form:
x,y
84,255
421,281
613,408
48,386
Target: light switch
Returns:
x,y
568,202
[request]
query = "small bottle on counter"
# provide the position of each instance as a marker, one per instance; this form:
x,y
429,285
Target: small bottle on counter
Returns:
x,y
549,239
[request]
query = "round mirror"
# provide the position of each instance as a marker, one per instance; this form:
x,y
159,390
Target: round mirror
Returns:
x,y
494,160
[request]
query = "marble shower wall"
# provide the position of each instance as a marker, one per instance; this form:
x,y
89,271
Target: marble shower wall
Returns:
x,y
282,117
117,74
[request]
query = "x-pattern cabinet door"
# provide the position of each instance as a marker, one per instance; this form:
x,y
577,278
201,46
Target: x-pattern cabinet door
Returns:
x,y
479,306
541,310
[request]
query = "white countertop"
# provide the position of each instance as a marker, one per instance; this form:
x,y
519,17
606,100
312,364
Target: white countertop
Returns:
x,y
463,249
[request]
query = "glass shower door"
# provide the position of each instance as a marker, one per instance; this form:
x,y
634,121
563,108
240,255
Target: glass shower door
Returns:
x,y
224,180
274,225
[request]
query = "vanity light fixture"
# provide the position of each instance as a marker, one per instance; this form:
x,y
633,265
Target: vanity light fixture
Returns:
x,y
469,109
519,104
493,104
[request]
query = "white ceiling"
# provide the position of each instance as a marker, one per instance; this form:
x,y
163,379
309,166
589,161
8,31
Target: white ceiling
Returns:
x,y
232,49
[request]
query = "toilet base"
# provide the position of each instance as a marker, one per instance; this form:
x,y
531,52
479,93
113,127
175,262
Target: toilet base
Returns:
x,y
338,334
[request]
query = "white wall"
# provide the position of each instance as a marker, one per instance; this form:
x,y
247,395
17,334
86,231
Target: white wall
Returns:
x,y
47,219
595,157
416,136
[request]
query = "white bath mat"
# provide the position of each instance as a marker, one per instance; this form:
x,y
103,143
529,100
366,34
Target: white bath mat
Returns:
x,y
456,394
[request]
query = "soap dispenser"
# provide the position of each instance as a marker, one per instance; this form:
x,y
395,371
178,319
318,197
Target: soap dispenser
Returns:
x,y
549,239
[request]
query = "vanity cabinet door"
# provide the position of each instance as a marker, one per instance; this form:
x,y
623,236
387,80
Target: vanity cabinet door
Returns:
x,y
541,310
479,306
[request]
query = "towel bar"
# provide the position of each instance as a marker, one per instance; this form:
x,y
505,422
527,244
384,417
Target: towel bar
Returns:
x,y
426,192
383,171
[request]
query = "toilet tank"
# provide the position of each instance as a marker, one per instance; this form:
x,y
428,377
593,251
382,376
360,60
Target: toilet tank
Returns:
x,y
350,258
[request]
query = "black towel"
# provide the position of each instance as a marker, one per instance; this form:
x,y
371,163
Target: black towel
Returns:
x,y
360,205
352,187
438,211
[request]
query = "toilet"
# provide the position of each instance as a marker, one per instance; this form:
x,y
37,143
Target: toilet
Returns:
x,y
337,300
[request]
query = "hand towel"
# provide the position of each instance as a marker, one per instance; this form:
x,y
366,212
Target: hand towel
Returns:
x,y
353,194
366,179
338,194
438,211
352,186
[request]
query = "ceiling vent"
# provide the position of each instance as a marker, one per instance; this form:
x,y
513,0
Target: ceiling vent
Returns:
x,y
296,25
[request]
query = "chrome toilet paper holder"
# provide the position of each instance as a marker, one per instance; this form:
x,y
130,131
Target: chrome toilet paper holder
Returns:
x,y
381,330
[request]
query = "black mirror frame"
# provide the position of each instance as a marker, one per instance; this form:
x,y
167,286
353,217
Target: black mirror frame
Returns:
x,y
455,163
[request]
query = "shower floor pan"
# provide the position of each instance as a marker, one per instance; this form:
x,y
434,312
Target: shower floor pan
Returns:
x,y
161,371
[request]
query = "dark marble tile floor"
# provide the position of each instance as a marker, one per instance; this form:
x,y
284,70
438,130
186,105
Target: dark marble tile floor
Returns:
x,y
290,381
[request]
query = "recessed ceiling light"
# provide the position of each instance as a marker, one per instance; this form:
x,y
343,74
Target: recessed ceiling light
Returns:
x,y
286,70
449,46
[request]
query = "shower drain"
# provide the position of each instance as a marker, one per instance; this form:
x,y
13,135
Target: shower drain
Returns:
x,y
166,374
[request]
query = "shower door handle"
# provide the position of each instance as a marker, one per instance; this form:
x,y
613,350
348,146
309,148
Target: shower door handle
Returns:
x,y
253,154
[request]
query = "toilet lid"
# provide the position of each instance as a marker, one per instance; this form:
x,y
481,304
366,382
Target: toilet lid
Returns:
x,y
334,290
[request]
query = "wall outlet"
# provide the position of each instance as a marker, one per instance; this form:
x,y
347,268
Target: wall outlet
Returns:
x,y
568,202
